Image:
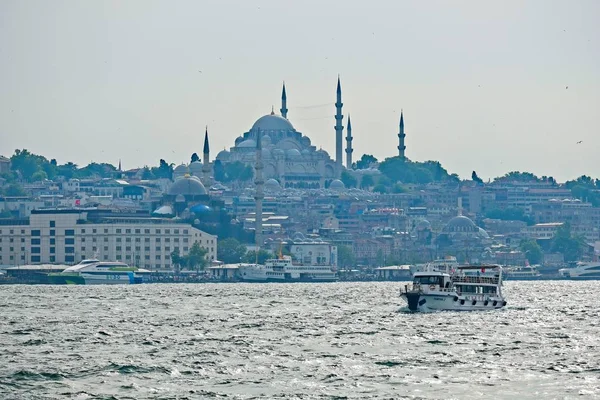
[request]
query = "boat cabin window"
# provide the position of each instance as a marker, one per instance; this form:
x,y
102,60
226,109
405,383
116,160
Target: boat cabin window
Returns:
x,y
429,280
476,289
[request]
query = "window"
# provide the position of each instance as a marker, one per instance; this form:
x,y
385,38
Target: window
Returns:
x,y
158,257
69,240
185,240
167,240
137,240
83,231
22,231
146,240
35,250
128,248
11,240
176,240
146,230
176,231
83,239
105,248
35,232
157,248
118,256
138,231
168,231
52,224
69,258
127,230
52,241
22,240
157,240
147,248
82,249
105,257
69,232
118,248
158,231
138,248
157,266
52,250
94,230
128,239
69,250
167,249
52,259
93,240
146,257
128,257
119,240
94,248
105,239
118,230
35,241
52,232
186,232
185,249
105,230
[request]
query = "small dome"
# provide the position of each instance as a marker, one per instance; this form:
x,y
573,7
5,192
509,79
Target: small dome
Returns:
x,y
423,225
163,210
223,155
272,122
460,224
247,144
272,184
266,153
278,152
200,209
180,198
238,140
181,169
187,186
265,140
305,152
322,153
196,168
292,153
336,184
305,140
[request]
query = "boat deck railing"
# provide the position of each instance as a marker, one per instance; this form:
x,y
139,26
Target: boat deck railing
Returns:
x,y
476,279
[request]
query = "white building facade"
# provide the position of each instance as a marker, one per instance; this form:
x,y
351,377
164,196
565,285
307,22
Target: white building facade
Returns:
x,y
68,236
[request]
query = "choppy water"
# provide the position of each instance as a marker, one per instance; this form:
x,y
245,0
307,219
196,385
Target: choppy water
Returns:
x,y
306,341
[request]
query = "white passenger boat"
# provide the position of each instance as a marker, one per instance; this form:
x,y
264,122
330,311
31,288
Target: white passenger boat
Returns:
x,y
282,269
527,272
583,270
467,288
95,272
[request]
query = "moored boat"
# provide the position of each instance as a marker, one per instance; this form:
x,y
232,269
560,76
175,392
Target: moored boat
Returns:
x,y
467,288
94,272
583,270
282,269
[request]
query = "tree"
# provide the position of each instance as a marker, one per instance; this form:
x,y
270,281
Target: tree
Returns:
x,y
14,190
476,178
196,258
164,170
365,161
516,176
219,171
345,257
230,251
194,158
509,214
366,182
380,189
400,169
263,256
563,242
176,259
398,188
40,175
147,174
347,179
532,250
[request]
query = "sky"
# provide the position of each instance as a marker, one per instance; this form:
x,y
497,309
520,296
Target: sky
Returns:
x,y
486,86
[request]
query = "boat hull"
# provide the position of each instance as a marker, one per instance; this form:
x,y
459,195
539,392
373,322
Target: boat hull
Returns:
x,y
95,279
450,301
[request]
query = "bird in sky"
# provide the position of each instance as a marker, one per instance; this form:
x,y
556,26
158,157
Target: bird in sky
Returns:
x,y
581,141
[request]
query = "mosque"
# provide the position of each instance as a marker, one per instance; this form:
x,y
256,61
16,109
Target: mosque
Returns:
x,y
290,158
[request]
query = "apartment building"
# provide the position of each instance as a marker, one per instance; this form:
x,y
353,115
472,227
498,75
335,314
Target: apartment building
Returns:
x,y
66,236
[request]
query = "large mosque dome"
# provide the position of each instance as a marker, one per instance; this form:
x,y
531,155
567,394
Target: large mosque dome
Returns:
x,y
272,122
187,186
460,224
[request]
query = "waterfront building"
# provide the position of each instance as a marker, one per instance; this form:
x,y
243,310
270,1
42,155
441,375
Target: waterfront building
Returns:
x,y
66,236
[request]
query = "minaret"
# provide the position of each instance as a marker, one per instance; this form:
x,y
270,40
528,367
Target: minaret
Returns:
x,y
349,149
119,165
339,128
284,109
206,181
259,194
401,136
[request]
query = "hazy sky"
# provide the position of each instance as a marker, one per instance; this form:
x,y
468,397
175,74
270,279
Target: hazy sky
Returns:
x,y
483,84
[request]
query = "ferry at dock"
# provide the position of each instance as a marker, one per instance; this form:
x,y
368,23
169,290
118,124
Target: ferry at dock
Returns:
x,y
466,288
95,272
282,269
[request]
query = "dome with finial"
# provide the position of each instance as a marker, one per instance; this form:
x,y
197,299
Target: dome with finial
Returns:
x,y
272,122
336,184
187,186
223,155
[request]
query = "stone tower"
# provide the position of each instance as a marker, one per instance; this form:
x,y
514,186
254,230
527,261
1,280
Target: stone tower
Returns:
x,y
349,149
401,136
339,128
284,109
206,181
259,193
